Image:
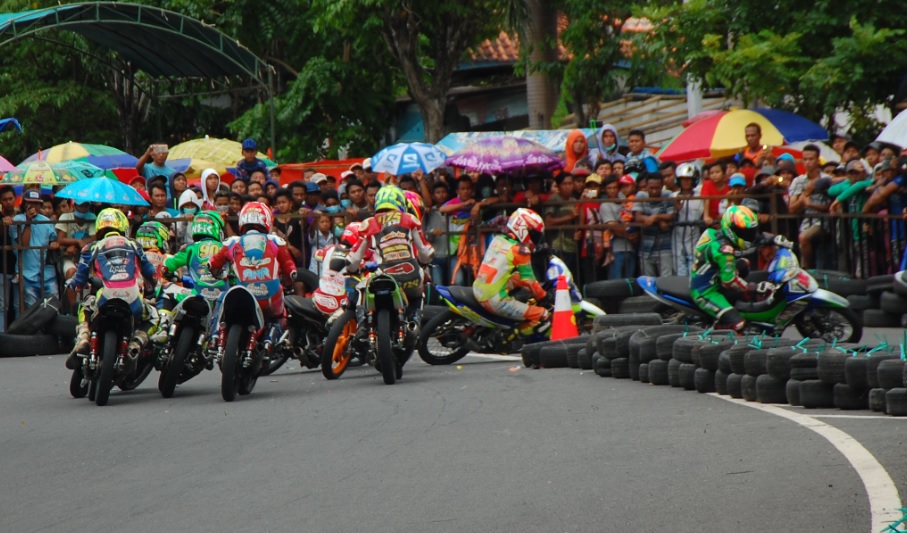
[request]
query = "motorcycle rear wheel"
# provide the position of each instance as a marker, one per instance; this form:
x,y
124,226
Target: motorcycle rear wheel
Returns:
x,y
108,364
441,341
229,380
335,356
830,323
170,375
144,366
385,350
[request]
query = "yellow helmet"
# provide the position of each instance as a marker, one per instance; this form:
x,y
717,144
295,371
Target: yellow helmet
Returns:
x,y
111,219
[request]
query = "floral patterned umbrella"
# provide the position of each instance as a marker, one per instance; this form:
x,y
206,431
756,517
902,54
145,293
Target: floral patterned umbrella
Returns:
x,y
505,154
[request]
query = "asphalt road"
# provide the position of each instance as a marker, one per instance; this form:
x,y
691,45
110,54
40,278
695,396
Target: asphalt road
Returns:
x,y
484,446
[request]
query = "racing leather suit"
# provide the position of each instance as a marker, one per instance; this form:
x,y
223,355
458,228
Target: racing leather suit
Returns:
x,y
714,275
507,265
257,260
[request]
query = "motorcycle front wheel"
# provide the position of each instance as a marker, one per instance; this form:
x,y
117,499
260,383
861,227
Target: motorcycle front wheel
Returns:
x,y
229,367
335,356
108,364
443,339
75,383
170,376
830,324
385,349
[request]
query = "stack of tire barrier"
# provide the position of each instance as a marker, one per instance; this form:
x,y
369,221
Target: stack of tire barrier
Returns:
x,y
620,296
40,330
807,373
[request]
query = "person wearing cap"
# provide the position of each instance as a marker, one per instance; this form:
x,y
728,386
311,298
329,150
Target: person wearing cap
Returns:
x,y
138,183
274,175
75,230
736,186
157,155
7,257
890,194
42,238
563,211
850,196
808,197
851,152
688,222
872,155
838,141
249,162
320,180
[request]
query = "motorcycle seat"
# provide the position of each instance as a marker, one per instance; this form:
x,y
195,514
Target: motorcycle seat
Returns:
x,y
464,296
675,286
298,305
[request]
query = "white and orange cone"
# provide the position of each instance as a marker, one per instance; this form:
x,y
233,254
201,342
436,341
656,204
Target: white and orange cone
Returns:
x,y
563,323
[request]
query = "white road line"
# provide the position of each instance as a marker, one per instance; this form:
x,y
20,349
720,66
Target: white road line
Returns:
x,y
864,417
494,357
884,500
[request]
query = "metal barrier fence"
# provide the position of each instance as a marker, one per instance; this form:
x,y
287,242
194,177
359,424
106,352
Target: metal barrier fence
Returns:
x,y
862,245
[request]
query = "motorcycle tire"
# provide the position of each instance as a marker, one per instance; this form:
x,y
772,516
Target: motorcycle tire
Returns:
x,y
92,389
170,375
108,367
274,364
848,315
143,369
385,350
247,380
335,356
75,384
229,379
429,342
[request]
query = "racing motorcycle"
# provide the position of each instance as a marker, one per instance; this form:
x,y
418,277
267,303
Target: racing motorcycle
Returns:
x,y
467,326
791,297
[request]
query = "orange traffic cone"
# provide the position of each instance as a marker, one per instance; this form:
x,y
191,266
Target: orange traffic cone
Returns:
x,y
563,324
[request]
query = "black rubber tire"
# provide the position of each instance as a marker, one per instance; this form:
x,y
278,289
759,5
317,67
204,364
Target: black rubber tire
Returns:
x,y
896,402
584,358
879,284
108,367
686,374
830,367
335,358
891,302
602,367
900,284
384,348
861,302
846,287
445,318
735,385
633,364
637,304
620,368
626,319
845,314
170,374
706,355
644,373
553,356
792,390
770,389
703,380
849,399
872,367
724,363
721,382
803,366
674,373
229,367
76,389
63,326
804,374
877,400
685,346
816,395
754,362
27,345
664,346
143,367
658,372
36,317
777,363
855,372
748,388
891,374
573,358
529,353
274,363
92,390
876,318
737,357
612,289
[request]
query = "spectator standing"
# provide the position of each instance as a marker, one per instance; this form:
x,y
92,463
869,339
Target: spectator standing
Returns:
x,y
638,158
605,146
249,162
657,221
668,171
871,156
533,195
716,185
576,149
371,192
688,225
850,196
435,229
620,252
755,151
320,236
158,193
35,263
563,211
358,208
157,155
8,256
240,187
591,240
808,197
891,193
736,187
458,211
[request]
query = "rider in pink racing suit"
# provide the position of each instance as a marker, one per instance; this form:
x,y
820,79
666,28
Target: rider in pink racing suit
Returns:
x,y
258,259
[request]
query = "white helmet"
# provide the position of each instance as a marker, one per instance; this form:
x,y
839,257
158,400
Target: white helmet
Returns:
x,y
687,170
527,226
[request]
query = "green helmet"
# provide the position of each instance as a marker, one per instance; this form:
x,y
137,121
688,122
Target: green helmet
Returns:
x,y
391,197
740,226
153,235
207,225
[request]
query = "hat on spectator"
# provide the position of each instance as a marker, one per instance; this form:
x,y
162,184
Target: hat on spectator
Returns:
x,y
884,165
874,145
347,173
785,157
838,135
312,187
626,179
249,144
839,170
593,178
785,164
737,180
851,164
272,182
580,172
31,195
367,163
86,201
136,179
354,166
318,178
766,170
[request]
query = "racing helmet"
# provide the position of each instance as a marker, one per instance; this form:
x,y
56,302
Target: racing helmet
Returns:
x,y
390,197
414,204
257,216
527,226
350,234
153,235
687,170
207,225
741,226
111,220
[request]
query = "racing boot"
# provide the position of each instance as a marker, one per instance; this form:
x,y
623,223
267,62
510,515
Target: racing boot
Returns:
x,y
81,346
163,327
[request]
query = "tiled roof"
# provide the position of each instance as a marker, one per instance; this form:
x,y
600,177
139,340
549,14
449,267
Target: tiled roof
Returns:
x,y
506,48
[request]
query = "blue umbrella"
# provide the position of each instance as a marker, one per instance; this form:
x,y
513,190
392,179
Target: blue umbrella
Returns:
x,y
404,158
9,124
103,190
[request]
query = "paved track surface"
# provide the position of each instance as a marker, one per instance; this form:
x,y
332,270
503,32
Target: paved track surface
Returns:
x,y
484,446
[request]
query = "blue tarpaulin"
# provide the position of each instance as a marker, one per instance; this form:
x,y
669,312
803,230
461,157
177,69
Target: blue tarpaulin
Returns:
x,y
9,124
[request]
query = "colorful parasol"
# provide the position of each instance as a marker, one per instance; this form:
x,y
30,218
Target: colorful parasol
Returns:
x,y
44,173
505,154
404,158
103,190
76,150
221,152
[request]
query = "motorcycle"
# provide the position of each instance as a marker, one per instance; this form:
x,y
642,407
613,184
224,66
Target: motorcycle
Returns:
x,y
467,326
184,355
796,299
302,317
246,342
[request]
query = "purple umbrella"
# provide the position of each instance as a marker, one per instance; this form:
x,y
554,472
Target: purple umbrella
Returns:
x,y
505,154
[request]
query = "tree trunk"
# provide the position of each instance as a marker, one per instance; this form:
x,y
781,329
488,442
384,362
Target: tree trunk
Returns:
x,y
541,94
433,119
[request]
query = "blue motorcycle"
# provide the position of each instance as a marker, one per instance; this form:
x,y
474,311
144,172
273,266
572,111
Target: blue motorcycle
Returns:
x,y
792,297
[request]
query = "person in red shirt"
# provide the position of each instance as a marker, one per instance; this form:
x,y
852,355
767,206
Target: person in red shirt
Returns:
x,y
716,185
